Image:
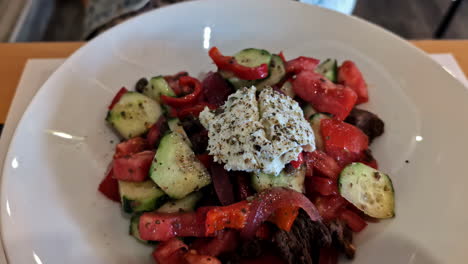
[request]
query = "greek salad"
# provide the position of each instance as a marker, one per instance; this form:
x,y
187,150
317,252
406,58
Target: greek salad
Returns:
x,y
265,160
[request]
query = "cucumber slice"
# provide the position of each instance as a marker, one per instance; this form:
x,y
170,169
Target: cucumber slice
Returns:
x,y
134,114
186,204
368,189
176,169
315,124
175,125
135,232
287,89
140,196
253,57
156,87
329,69
293,180
277,73
309,111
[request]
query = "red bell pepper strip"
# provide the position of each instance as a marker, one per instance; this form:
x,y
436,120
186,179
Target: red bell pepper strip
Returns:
x,y
284,217
297,163
188,99
228,63
231,216
110,187
117,97
194,110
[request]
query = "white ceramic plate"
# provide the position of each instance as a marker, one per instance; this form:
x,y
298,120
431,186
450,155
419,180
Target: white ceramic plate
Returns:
x,y
52,213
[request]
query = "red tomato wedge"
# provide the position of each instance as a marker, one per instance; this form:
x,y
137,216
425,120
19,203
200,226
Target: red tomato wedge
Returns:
x,y
324,95
342,141
321,185
349,75
225,241
156,131
300,64
330,207
353,220
133,167
110,186
323,163
130,147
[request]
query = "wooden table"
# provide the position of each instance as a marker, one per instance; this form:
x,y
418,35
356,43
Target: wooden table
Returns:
x,y
14,56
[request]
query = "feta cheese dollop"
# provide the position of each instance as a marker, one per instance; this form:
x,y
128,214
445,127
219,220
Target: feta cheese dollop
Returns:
x,y
257,134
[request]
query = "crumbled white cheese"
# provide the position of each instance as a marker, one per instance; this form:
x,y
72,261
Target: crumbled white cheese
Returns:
x,y
261,135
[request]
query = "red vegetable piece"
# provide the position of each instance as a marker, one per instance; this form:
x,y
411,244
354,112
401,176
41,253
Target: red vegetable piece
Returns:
x,y
224,242
353,220
110,186
156,131
330,206
284,217
328,256
281,55
172,251
192,257
194,110
323,163
215,89
300,64
268,259
133,167
188,99
228,63
266,203
297,163
222,184
324,95
263,232
244,189
321,185
173,82
342,141
349,75
205,159
164,226
231,216
117,97
130,147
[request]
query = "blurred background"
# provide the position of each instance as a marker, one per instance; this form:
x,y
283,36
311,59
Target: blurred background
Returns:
x,y
73,20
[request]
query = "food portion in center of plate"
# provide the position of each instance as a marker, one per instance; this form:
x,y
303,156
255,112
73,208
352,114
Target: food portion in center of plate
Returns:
x,y
264,160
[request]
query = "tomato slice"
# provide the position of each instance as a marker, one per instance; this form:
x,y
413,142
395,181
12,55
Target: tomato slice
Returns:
x,y
110,187
321,185
323,163
351,76
133,167
170,252
354,221
324,95
130,147
156,131
300,64
330,207
342,141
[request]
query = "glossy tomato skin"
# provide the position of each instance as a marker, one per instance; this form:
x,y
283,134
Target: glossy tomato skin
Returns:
x,y
323,186
349,75
330,207
156,131
300,64
225,241
324,95
323,163
342,141
130,147
353,220
170,252
133,167
110,187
